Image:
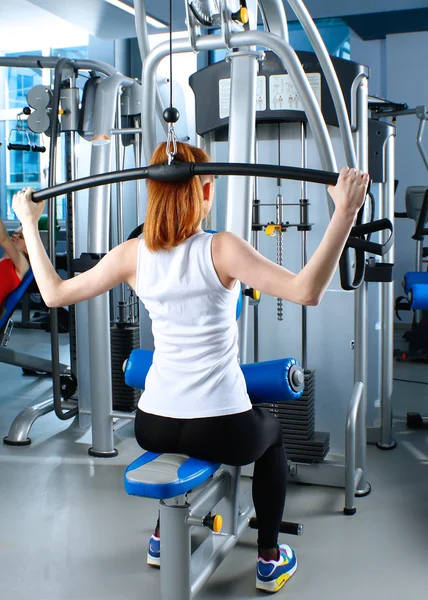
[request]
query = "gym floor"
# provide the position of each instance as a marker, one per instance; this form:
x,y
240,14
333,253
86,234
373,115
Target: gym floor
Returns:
x,y
68,530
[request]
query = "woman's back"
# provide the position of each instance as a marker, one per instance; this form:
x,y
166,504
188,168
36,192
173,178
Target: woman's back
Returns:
x,y
195,371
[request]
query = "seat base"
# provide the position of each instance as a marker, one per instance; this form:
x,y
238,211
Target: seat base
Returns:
x,y
162,476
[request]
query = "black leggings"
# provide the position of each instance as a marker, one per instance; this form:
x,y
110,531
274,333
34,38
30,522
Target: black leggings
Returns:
x,y
237,440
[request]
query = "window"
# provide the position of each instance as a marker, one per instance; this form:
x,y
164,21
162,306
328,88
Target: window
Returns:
x,y
18,167
334,32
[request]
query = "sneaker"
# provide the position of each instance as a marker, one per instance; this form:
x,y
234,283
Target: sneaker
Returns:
x,y
153,553
273,574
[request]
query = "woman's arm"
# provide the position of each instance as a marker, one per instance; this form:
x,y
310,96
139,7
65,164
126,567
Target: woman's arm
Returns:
x,y
119,265
236,259
17,257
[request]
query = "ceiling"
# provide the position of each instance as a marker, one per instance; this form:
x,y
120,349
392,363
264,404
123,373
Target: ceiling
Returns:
x,y
369,19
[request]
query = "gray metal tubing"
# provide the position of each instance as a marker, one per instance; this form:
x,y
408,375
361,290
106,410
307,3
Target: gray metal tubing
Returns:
x,y
221,546
331,78
98,242
304,196
148,99
387,308
120,165
242,136
115,414
292,64
126,131
144,47
20,428
44,62
251,38
175,573
211,494
61,65
9,356
360,310
350,444
71,254
137,155
274,17
354,102
357,477
419,255
419,137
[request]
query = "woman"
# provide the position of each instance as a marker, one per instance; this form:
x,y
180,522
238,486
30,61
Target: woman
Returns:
x,y
14,265
195,401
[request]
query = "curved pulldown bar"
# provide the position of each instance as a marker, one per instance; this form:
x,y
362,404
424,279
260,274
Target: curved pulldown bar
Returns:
x,y
180,172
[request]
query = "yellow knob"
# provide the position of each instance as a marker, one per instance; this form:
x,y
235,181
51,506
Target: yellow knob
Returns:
x,y
217,523
256,295
272,228
61,111
244,17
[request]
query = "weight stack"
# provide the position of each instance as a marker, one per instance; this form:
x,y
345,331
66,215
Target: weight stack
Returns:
x,y
123,338
297,417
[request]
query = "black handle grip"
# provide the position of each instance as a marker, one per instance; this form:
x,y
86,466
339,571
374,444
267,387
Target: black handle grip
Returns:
x,y
285,526
179,172
357,241
23,147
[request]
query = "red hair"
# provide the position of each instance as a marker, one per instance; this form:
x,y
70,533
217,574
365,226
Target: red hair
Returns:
x,y
174,210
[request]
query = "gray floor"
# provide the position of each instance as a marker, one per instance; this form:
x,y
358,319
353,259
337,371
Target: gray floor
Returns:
x,y
68,531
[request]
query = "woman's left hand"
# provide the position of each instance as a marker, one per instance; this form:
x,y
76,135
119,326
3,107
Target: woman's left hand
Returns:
x,y
25,209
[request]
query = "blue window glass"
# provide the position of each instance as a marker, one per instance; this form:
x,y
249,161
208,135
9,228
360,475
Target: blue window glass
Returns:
x,y
21,168
334,32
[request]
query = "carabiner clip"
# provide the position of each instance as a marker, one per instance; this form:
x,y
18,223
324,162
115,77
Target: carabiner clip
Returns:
x,y
171,143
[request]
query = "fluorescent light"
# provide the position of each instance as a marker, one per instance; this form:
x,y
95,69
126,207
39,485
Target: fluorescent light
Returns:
x,y
155,23
130,10
122,6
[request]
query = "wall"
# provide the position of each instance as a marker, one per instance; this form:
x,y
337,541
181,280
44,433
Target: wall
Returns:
x,y
399,73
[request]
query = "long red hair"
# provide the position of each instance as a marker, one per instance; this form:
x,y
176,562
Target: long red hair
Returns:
x,y
174,210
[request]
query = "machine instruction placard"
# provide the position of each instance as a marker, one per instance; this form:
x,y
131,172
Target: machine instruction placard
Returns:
x,y
284,96
224,95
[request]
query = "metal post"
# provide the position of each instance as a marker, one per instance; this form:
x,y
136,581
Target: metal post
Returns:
x,y
119,203
419,255
175,573
360,309
242,134
98,242
331,78
304,197
99,314
386,441
274,17
71,238
256,245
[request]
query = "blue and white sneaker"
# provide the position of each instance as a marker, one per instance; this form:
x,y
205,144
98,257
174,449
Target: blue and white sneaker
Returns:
x,y
273,574
153,553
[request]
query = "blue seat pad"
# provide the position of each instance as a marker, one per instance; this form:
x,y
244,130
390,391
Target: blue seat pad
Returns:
x,y
161,476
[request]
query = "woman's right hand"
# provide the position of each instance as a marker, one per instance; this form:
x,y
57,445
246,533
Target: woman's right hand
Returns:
x,y
350,191
25,209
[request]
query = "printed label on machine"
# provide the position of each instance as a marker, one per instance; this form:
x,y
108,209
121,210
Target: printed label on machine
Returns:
x,y
224,95
284,96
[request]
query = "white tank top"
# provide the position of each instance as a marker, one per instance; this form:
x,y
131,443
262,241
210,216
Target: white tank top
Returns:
x,y
195,371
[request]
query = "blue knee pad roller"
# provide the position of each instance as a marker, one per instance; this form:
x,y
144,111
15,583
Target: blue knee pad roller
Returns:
x,y
414,277
271,381
419,296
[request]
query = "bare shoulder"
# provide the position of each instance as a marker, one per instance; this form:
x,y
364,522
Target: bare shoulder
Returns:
x,y
129,252
228,246
226,240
